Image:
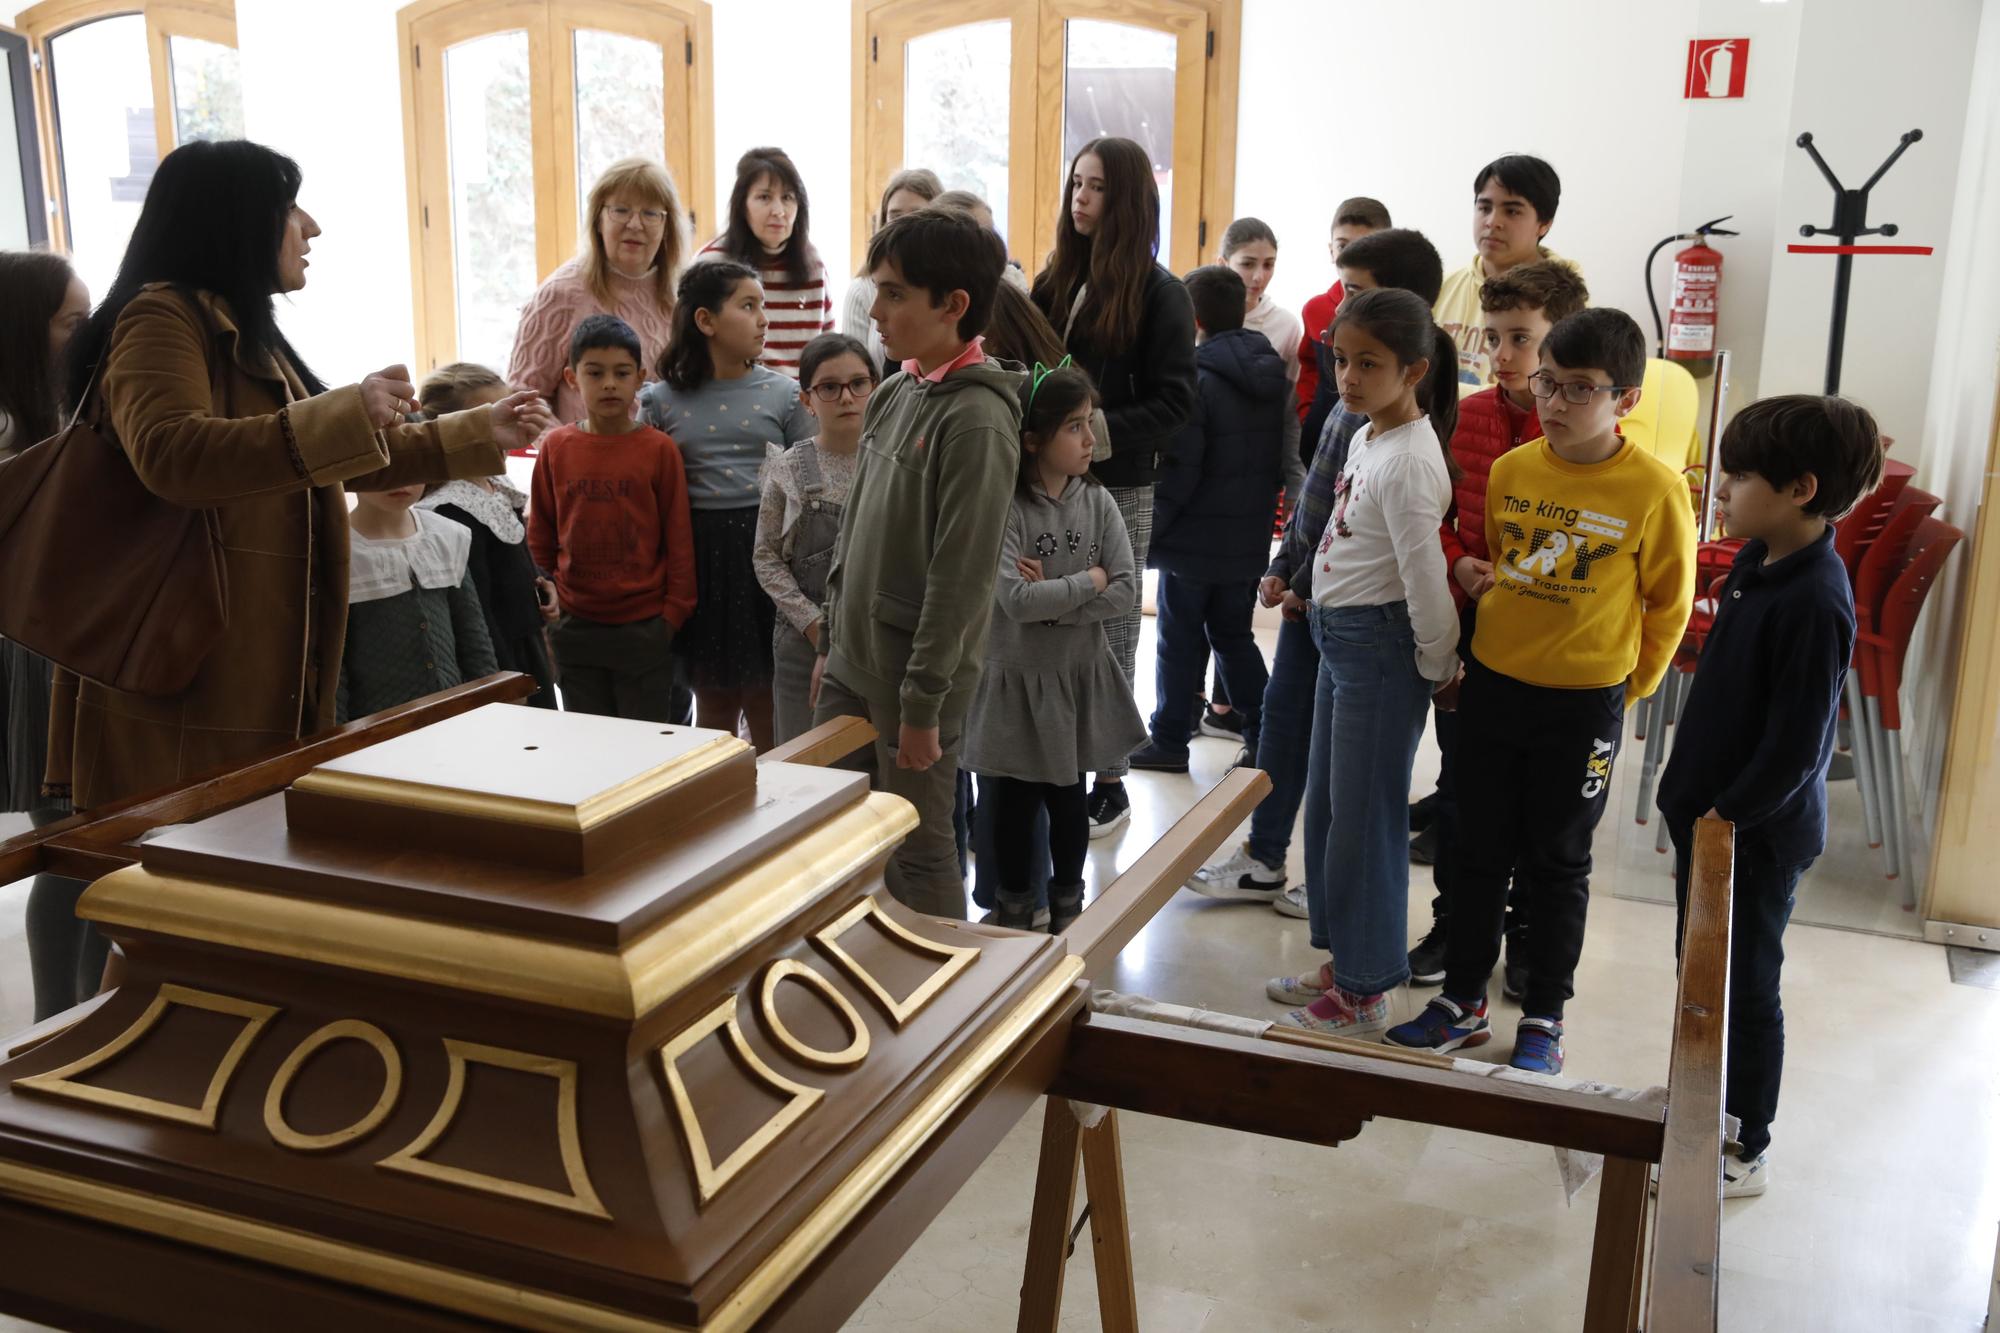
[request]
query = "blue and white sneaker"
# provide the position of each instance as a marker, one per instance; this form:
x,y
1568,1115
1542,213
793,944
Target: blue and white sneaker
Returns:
x,y
1538,1046
1444,1025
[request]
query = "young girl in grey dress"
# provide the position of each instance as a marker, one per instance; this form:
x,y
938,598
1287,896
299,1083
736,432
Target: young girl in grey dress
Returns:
x,y
1053,704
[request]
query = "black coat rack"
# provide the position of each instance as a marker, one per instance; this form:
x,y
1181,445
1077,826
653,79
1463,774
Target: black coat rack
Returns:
x,y
1850,222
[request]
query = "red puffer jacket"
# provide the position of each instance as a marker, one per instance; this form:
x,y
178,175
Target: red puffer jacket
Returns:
x,y
1488,426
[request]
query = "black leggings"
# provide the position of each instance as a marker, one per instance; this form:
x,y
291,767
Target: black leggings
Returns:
x,y
1014,806
65,952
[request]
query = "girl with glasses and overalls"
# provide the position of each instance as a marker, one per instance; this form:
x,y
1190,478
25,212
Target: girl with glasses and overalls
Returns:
x,y
805,492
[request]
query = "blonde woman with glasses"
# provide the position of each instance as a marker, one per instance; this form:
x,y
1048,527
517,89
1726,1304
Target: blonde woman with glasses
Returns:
x,y
633,253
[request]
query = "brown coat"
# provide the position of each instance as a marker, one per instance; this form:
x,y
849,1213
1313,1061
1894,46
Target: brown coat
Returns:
x,y
271,462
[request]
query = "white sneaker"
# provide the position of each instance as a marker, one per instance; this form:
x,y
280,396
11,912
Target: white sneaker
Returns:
x,y
1292,902
1239,876
1302,989
1745,1180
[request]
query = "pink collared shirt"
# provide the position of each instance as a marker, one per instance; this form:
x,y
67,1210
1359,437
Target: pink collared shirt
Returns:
x,y
974,353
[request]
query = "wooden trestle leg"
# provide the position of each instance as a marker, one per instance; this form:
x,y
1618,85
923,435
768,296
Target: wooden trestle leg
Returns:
x,y
1048,1224
1110,1229
1616,1253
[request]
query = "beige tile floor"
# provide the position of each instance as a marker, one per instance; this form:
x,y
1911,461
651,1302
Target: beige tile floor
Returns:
x,y
1882,1214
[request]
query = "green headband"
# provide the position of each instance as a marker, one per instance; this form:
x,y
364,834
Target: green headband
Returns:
x,y
1040,373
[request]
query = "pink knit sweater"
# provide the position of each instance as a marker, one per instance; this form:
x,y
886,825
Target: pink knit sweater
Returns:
x,y
541,345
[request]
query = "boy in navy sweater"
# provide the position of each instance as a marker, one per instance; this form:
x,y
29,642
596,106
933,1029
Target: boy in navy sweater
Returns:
x,y
1758,731
1212,519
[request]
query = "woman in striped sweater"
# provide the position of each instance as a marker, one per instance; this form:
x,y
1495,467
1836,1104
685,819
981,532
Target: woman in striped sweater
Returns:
x,y
767,231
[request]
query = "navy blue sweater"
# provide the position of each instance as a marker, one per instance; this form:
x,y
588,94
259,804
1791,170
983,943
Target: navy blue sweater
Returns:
x,y
1219,490
1758,732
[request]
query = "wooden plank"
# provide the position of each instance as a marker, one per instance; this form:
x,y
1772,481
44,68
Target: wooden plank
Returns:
x,y
1110,1227
1618,1250
825,745
1129,902
1049,1220
1324,1096
1687,1233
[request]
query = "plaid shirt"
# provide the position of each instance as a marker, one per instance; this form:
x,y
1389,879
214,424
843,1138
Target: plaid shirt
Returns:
x,y
1293,562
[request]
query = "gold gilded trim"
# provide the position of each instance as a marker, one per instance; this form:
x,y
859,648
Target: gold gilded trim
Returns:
x,y
718,926
546,1312
767,1003
709,1175
392,1087
956,959
58,1082
578,818
582,1198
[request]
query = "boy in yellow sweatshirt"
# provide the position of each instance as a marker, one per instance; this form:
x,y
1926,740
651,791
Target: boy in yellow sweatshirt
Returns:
x,y
1592,541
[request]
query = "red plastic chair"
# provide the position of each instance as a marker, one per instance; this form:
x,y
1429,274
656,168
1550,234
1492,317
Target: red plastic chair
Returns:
x,y
1879,652
1853,534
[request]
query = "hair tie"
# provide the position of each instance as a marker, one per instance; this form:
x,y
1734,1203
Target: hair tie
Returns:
x,y
1040,373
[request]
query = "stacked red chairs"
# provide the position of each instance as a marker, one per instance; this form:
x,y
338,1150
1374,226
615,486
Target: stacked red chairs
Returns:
x,y
1895,580
1712,563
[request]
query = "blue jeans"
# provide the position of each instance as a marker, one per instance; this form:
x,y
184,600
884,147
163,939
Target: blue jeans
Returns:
x,y
1760,908
1282,745
1368,715
1195,618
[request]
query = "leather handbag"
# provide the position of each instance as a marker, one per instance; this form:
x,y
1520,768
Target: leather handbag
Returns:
x,y
97,573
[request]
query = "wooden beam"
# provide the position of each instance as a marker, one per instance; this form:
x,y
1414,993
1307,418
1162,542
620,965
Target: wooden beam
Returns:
x,y
1324,1096
825,745
1049,1220
1687,1232
1617,1253
1129,902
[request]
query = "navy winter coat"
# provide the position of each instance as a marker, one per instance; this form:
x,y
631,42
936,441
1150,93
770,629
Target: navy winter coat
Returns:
x,y
1218,492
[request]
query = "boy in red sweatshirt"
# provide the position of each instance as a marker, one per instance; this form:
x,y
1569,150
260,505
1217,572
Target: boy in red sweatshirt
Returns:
x,y
608,518
1521,306
1355,217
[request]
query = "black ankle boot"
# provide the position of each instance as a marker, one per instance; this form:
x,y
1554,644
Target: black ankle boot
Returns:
x,y
1065,905
1017,911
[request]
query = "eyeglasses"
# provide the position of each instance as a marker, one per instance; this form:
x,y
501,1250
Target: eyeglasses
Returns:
x,y
652,217
860,387
1575,392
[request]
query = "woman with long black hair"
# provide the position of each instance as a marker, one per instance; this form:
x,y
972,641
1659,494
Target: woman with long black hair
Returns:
x,y
42,302
216,411
1129,322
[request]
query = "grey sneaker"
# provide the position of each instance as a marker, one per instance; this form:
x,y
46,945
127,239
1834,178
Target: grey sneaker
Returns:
x,y
1292,902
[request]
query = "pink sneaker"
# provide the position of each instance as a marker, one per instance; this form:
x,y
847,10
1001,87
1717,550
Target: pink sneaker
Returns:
x,y
1342,1013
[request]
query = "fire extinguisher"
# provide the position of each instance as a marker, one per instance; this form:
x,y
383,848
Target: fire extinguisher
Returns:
x,y
1689,333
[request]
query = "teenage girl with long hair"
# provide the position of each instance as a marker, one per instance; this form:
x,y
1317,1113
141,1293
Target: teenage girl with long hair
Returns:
x,y
1128,324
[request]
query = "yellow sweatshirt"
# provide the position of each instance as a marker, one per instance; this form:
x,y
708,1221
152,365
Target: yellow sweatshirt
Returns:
x,y
1593,570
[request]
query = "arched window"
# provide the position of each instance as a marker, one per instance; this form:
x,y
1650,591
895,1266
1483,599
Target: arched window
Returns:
x,y
516,107
996,96
120,85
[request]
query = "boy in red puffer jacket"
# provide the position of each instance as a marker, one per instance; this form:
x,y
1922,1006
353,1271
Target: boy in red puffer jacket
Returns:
x,y
1521,306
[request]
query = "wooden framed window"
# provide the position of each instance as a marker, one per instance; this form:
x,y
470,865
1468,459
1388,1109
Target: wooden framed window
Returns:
x,y
118,85
996,96
515,107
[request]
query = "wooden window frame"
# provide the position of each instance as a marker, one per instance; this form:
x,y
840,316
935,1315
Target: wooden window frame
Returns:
x,y
1208,35
206,20
435,25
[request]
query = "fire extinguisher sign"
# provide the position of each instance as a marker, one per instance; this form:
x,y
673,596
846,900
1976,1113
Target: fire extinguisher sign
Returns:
x,y
1716,66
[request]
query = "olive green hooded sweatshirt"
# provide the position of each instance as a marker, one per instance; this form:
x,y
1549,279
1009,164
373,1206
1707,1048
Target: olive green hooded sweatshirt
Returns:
x,y
910,594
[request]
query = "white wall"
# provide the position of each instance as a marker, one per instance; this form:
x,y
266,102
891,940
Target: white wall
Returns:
x,y
1960,417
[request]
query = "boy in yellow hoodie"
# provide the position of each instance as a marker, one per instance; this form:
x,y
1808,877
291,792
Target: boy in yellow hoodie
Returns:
x,y
1592,540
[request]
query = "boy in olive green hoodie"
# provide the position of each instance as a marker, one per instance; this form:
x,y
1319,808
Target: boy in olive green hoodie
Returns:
x,y
910,593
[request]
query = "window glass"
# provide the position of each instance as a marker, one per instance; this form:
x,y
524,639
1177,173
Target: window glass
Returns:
x,y
208,90
491,158
620,95
1118,81
103,84
955,109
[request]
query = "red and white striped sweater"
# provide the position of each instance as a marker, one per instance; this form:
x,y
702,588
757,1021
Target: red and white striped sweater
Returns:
x,y
799,312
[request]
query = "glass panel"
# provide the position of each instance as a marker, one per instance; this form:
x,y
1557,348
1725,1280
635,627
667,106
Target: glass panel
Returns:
x,y
620,105
208,90
1118,80
491,156
105,137
14,234
955,109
